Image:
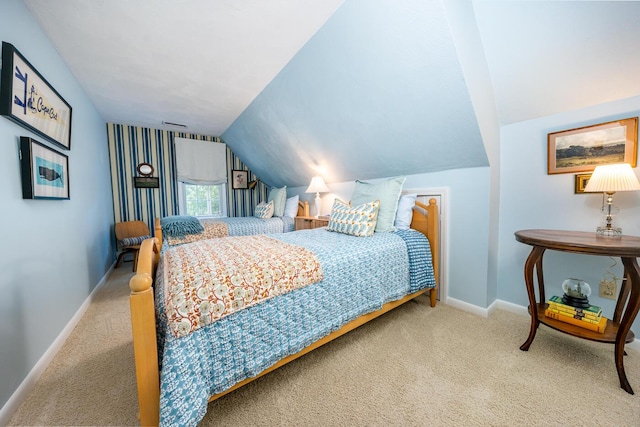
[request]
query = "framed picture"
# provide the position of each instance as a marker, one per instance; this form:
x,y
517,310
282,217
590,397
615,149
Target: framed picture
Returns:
x,y
582,149
45,172
27,99
239,179
581,182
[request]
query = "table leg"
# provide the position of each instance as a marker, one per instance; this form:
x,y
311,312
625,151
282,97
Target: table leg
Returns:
x,y
534,260
632,272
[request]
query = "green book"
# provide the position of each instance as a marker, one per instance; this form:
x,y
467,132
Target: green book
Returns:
x,y
591,309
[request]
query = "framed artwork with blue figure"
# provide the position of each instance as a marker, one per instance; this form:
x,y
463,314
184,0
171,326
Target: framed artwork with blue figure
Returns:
x,y
45,172
28,99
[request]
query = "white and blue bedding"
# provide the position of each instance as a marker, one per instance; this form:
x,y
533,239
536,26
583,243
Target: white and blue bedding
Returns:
x,y
360,275
178,230
250,225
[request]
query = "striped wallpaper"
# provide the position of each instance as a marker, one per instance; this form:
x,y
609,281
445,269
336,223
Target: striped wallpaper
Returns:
x,y
131,145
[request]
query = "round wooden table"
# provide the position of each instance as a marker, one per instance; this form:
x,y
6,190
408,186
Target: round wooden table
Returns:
x,y
618,330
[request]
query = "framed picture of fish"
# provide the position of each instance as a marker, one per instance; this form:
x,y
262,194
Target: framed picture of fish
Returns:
x,y
28,99
45,172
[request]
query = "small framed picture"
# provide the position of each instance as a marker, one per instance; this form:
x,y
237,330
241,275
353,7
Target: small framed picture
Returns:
x,y
45,172
240,180
581,182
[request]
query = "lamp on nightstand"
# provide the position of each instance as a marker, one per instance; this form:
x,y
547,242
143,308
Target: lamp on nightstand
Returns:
x,y
317,186
609,179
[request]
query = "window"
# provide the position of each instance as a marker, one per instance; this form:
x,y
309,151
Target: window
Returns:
x,y
202,200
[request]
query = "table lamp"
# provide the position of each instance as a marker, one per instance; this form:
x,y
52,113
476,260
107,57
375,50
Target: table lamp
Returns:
x,y
317,186
609,179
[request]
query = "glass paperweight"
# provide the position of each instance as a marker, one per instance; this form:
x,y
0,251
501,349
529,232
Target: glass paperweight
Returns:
x,y
576,293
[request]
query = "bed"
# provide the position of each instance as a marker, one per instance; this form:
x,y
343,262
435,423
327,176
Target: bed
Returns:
x,y
233,226
246,343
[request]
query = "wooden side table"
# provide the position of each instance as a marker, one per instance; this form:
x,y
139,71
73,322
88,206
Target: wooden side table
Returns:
x,y
618,330
309,222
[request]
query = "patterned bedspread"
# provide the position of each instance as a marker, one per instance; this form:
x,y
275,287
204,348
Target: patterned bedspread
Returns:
x,y
360,275
210,279
234,226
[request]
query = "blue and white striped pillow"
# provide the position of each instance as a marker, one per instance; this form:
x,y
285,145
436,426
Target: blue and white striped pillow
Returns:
x,y
359,221
133,241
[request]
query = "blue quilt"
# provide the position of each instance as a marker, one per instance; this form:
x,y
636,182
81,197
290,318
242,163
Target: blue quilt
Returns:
x,y
250,225
360,275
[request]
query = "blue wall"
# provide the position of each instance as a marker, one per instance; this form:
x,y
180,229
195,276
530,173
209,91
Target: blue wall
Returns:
x,y
532,199
53,253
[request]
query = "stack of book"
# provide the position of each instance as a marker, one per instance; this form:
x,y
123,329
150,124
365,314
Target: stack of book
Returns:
x,y
588,317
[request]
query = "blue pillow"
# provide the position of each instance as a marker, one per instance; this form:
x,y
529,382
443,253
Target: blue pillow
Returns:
x,y
388,192
134,241
405,211
279,197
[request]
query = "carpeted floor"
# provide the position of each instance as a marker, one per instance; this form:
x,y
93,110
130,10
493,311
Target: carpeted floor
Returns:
x,y
413,366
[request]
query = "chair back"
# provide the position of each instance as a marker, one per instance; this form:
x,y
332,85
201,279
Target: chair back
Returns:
x,y
127,229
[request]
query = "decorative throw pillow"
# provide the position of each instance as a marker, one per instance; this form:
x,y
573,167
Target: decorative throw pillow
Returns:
x,y
180,225
133,241
387,192
359,221
291,207
264,210
279,197
405,211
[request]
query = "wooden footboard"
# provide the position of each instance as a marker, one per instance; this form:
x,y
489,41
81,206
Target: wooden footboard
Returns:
x,y
425,219
143,323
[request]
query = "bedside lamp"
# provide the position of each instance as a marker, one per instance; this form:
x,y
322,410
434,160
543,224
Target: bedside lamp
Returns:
x,y
317,186
609,179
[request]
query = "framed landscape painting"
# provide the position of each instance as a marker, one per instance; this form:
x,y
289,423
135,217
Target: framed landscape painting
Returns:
x,y
45,172
582,149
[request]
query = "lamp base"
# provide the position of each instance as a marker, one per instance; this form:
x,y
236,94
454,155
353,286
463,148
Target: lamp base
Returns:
x,y
615,232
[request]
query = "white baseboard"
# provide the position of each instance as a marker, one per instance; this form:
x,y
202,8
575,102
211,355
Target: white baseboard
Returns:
x,y
465,306
508,306
30,380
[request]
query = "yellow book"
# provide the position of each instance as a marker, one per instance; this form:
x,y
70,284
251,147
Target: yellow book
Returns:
x,y
594,309
586,318
573,311
600,327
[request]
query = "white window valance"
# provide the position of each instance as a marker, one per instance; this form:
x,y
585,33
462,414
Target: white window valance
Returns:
x,y
201,162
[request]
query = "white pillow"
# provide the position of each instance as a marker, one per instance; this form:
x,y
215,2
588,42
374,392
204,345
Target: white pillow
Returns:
x,y
405,211
291,207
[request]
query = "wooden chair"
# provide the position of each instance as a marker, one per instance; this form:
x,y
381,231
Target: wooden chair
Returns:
x,y
130,235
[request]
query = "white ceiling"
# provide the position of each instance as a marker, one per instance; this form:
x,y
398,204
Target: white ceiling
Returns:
x,y
208,63
194,62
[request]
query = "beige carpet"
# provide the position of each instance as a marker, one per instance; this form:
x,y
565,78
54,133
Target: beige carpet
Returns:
x,y
414,366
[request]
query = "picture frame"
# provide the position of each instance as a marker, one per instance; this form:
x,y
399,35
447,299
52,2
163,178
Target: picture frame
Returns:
x,y
582,149
44,171
146,182
27,99
581,181
239,179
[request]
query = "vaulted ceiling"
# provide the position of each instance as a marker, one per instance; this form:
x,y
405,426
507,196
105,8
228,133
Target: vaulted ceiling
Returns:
x,y
345,88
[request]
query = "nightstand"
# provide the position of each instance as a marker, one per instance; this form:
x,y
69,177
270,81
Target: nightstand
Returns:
x,y
309,222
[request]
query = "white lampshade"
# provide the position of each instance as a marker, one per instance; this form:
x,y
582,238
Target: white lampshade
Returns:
x,y
317,185
612,178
